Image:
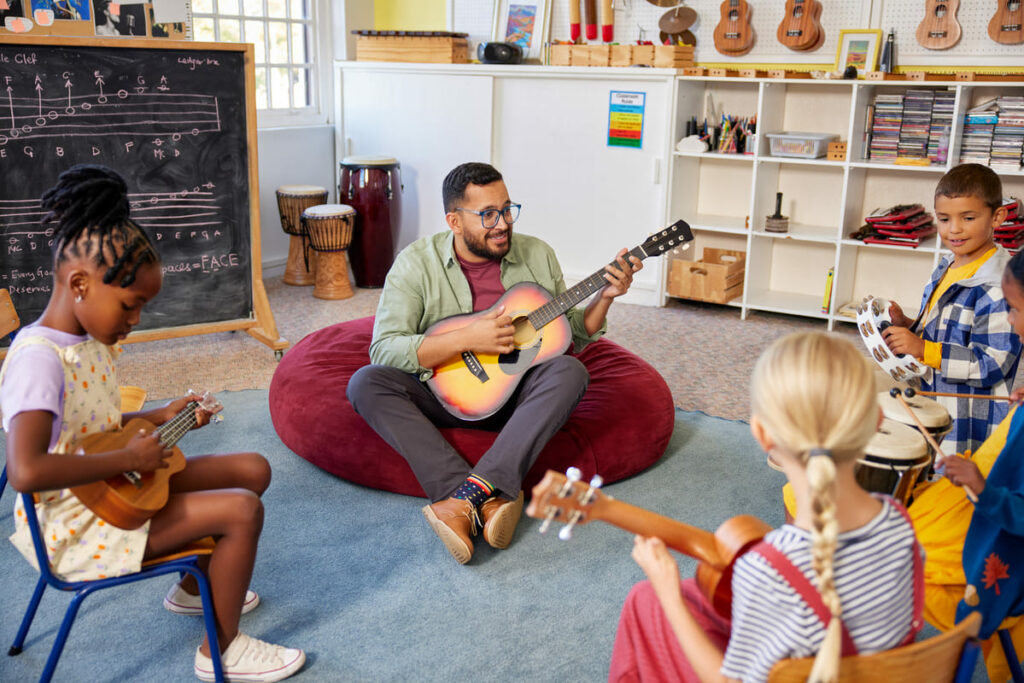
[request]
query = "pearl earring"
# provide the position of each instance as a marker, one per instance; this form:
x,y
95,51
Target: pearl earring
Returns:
x,y
78,298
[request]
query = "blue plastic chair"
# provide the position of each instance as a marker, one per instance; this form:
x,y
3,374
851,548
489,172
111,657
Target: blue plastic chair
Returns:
x,y
1011,656
183,563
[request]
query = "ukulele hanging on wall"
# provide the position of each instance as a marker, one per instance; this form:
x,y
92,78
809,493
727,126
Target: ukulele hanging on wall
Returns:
x,y
734,36
801,27
939,30
1007,24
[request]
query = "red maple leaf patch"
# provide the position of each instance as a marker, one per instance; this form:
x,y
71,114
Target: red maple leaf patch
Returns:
x,y
995,569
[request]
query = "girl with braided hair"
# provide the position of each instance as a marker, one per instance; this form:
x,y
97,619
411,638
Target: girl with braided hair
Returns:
x,y
58,385
844,578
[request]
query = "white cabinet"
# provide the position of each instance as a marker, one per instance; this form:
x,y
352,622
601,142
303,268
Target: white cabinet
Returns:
x,y
727,197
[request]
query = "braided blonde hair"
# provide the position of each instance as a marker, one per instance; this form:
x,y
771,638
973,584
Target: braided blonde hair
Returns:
x,y
815,395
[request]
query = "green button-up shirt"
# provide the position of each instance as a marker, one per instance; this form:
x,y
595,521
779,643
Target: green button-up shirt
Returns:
x,y
426,284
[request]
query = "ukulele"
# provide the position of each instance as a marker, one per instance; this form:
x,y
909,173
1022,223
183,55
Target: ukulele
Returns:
x,y
734,36
939,30
473,386
127,500
801,28
564,498
1006,24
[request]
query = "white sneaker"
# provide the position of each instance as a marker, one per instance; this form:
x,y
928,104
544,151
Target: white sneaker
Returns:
x,y
180,602
250,660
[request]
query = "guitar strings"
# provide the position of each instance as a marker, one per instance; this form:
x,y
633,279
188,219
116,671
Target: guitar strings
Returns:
x,y
554,308
179,425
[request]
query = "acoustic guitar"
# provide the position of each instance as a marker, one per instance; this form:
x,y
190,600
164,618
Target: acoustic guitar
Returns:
x,y
473,386
1007,24
939,30
734,36
129,499
560,498
801,28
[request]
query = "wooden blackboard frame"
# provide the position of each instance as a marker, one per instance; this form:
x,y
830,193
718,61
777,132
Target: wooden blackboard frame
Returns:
x,y
260,324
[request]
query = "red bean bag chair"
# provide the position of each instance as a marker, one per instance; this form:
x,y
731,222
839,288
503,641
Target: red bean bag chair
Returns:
x,y
621,426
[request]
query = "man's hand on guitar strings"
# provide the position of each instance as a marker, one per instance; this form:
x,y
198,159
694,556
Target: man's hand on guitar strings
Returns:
x,y
490,333
620,278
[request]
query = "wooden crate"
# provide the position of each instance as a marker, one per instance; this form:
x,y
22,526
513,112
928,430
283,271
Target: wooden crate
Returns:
x,y
622,55
673,56
424,49
717,277
643,55
579,55
600,55
560,55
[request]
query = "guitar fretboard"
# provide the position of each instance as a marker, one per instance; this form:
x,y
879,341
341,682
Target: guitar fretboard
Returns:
x,y
572,296
179,425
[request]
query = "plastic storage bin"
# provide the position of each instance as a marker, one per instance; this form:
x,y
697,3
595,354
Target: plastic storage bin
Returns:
x,y
803,145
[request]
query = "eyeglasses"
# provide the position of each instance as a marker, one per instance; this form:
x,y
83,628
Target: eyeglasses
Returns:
x,y
489,217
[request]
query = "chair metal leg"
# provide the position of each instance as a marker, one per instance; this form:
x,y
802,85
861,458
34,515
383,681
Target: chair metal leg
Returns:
x,y
968,660
26,622
211,622
1011,656
62,635
3,481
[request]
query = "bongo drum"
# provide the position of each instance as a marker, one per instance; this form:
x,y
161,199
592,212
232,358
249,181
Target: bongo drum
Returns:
x,y
372,185
292,200
932,414
893,461
329,229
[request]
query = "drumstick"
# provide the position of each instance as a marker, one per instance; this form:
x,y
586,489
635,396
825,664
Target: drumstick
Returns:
x,y
896,393
590,18
607,21
910,392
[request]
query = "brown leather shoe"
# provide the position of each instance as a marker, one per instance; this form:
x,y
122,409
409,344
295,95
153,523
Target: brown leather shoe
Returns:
x,y
454,520
500,519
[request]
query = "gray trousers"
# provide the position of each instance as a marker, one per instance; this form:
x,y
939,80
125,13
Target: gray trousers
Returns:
x,y
404,412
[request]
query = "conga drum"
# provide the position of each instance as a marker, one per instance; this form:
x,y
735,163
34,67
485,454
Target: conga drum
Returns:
x,y
329,229
932,414
372,185
292,200
893,461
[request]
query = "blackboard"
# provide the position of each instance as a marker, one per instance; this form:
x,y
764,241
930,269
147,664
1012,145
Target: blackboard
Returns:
x,y
177,121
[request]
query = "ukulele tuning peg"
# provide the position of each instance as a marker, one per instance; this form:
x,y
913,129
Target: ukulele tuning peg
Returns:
x,y
597,481
573,474
565,533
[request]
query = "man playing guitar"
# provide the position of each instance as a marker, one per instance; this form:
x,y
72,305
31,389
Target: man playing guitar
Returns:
x,y
463,270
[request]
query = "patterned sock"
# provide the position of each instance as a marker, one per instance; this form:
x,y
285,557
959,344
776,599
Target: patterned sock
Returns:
x,y
475,489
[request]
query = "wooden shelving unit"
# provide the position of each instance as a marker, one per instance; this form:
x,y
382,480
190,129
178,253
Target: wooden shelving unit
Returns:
x,y
726,197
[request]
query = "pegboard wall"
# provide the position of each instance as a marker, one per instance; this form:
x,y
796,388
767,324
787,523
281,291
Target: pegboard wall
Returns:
x,y
638,19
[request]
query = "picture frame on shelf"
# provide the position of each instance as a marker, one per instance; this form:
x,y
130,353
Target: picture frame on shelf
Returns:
x,y
859,48
525,23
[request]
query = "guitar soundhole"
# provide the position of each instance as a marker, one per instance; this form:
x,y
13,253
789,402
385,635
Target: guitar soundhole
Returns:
x,y
798,12
733,15
940,11
524,334
1013,5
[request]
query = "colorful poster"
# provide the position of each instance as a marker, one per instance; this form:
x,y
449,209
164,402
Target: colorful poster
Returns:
x,y
626,119
521,20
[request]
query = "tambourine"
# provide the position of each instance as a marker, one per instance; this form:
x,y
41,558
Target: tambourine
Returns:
x,y
872,319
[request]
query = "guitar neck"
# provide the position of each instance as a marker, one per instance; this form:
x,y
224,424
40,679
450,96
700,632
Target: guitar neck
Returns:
x,y
178,426
689,540
572,296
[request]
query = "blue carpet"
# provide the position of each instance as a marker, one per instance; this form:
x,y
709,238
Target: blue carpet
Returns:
x,y
356,578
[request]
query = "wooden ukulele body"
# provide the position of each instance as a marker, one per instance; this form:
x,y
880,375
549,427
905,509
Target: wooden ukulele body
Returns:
x,y
734,35
801,28
939,30
117,500
1007,24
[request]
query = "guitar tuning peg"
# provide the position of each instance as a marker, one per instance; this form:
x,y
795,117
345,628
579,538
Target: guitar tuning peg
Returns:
x,y
596,481
573,474
546,524
565,533
685,246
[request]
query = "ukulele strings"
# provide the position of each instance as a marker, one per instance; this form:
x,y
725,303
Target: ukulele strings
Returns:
x,y
178,425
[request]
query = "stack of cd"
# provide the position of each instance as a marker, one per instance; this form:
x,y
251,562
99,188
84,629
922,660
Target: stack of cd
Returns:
x,y
885,128
941,125
1008,134
916,124
978,126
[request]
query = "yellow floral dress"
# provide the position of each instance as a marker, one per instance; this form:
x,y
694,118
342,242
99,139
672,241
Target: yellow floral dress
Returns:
x,y
80,545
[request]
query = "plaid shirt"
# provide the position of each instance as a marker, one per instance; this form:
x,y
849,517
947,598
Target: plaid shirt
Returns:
x,y
979,349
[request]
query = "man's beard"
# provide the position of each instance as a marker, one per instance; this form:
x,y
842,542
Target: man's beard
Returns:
x,y
478,247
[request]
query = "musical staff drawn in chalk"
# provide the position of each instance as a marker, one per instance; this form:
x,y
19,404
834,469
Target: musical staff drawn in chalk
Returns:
x,y
173,115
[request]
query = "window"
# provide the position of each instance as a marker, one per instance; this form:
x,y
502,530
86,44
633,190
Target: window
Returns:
x,y
284,48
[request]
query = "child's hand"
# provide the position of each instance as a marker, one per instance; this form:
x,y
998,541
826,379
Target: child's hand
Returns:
x,y
148,453
1017,395
963,472
177,405
899,319
659,566
901,340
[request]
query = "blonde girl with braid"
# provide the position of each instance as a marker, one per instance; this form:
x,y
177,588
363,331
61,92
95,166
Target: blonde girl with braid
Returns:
x,y
844,578
58,385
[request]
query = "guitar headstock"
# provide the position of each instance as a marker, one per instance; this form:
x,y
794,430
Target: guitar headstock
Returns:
x,y
675,237
207,402
564,498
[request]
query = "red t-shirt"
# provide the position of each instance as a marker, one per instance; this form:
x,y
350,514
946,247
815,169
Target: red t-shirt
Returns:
x,y
484,282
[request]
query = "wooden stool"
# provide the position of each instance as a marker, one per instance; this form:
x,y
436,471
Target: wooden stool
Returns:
x,y
292,200
329,229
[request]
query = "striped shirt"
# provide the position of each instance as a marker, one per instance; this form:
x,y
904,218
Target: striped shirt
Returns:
x,y
874,575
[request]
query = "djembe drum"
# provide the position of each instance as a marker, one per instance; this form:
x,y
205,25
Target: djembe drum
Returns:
x,y
329,230
292,200
372,185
